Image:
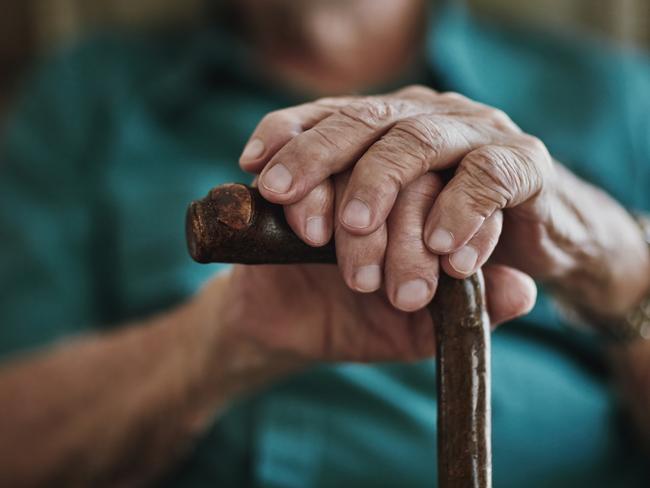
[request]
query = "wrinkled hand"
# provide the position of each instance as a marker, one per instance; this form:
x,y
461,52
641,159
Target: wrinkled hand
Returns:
x,y
308,312
394,216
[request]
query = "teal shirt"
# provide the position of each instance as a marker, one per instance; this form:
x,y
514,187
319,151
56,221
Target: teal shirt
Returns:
x,y
112,140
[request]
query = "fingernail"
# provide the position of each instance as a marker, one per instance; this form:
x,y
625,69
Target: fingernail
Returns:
x,y
253,150
412,294
368,278
356,214
277,179
441,240
464,259
315,229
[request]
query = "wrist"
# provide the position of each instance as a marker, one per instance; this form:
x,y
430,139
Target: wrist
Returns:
x,y
233,363
613,282
606,260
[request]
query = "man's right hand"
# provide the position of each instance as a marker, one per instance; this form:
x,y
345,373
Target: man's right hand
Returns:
x,y
307,312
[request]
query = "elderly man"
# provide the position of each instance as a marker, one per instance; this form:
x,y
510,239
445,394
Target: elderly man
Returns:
x,y
233,385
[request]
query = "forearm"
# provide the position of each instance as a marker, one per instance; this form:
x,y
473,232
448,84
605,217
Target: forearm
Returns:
x,y
608,274
87,410
121,408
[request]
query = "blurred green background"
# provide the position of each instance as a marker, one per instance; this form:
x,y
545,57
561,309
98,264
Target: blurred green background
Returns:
x,y
31,27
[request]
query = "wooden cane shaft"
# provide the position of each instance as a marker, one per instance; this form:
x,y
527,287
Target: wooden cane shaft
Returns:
x,y
463,383
234,224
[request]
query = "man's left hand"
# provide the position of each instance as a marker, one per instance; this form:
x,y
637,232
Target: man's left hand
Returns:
x,y
383,144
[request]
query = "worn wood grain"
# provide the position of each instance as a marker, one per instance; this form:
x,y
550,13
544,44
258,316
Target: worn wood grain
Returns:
x,y
463,369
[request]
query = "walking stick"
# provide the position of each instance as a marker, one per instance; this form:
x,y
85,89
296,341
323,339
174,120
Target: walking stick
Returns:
x,y
234,224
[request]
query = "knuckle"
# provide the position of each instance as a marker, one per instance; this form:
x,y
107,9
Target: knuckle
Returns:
x,y
497,114
421,136
419,193
454,97
407,217
417,91
490,178
321,196
373,112
482,200
329,102
426,187
369,249
536,158
500,119
295,153
408,239
537,147
403,154
276,118
329,140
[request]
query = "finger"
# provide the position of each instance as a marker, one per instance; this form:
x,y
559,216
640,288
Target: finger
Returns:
x,y
410,269
312,217
509,293
276,129
477,251
488,179
330,147
411,148
360,258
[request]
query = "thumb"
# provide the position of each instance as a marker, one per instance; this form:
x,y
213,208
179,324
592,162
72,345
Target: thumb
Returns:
x,y
509,293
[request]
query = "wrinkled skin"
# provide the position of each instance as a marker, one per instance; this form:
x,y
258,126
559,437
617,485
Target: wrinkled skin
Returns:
x,y
386,154
308,312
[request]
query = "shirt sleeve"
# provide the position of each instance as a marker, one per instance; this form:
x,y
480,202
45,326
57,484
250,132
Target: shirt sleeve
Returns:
x,y
45,221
